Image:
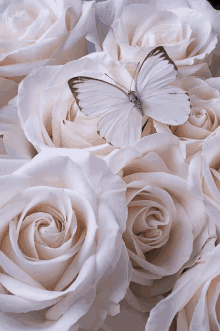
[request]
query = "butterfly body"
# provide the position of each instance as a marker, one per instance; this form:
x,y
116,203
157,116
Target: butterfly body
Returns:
x,y
121,112
136,101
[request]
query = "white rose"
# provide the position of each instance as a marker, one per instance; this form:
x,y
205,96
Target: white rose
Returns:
x,y
187,31
63,261
36,33
49,115
194,300
167,224
204,119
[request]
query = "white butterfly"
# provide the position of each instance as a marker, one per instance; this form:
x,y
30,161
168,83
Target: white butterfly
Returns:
x,y
121,120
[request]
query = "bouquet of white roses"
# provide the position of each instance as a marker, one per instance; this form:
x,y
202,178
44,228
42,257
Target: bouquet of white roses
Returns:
x,y
109,165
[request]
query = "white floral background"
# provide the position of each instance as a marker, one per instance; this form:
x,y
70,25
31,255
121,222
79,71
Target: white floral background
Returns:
x,y
94,237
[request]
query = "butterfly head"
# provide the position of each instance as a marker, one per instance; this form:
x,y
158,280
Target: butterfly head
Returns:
x,y
136,101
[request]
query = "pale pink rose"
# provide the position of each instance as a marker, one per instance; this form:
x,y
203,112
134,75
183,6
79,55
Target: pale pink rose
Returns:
x,y
204,119
49,115
36,33
194,303
187,31
63,261
167,224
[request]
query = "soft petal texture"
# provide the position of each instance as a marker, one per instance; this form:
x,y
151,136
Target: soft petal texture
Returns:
x,y
204,118
204,171
158,147
7,166
43,33
167,224
187,30
195,299
62,217
15,142
115,7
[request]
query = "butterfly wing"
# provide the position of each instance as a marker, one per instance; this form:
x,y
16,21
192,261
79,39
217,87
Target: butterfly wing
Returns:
x,y
166,104
120,123
126,130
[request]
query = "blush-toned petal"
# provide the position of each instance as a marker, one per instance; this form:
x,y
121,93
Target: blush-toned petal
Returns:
x,y
190,294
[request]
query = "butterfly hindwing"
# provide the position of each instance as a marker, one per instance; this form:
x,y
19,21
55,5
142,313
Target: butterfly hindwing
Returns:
x,y
122,127
166,104
169,105
120,123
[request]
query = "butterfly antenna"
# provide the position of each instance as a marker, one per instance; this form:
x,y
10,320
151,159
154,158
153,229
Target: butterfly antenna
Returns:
x,y
134,74
117,82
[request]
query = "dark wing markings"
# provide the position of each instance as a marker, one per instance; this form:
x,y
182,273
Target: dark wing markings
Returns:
x,y
81,79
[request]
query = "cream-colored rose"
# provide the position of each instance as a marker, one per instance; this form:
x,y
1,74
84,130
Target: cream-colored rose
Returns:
x,y
63,263
167,224
36,33
204,119
49,115
187,32
194,302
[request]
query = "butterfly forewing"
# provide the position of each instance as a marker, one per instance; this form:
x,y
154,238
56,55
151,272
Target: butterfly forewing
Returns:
x,y
166,104
156,71
120,123
94,96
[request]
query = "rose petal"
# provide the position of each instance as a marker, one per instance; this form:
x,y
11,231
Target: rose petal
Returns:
x,y
8,166
185,288
14,304
13,270
200,34
15,141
